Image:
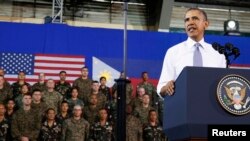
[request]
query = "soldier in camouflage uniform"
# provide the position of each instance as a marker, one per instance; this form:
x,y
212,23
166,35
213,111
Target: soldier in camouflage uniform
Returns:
x,y
51,97
16,87
37,104
137,101
6,83
25,122
51,129
142,111
150,89
133,126
104,89
75,128
19,99
102,99
84,85
152,130
63,113
129,89
156,101
62,86
102,130
5,91
91,110
41,85
4,125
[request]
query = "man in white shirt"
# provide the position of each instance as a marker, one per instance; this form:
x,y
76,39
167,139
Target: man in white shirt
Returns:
x,y
181,55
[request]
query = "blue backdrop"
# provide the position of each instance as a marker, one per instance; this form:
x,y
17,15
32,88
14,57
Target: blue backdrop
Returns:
x,y
146,50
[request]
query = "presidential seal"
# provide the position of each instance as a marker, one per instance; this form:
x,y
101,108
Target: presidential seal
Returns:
x,y
233,94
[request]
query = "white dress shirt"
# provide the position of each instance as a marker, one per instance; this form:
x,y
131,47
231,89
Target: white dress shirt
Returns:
x,y
181,55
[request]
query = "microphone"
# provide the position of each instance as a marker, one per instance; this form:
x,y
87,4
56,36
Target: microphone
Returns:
x,y
228,50
233,50
219,48
236,52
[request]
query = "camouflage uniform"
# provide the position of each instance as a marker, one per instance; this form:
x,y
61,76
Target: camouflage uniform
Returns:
x,y
52,99
63,89
153,133
111,106
102,100
136,102
16,87
155,100
52,133
60,119
84,86
25,123
150,89
106,91
133,129
91,114
5,94
5,130
72,103
75,130
40,108
41,86
142,113
101,133
129,91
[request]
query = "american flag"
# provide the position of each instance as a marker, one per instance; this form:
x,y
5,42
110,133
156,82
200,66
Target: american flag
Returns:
x,y
33,64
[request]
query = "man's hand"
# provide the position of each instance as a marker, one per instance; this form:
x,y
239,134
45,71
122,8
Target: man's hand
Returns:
x,y
168,88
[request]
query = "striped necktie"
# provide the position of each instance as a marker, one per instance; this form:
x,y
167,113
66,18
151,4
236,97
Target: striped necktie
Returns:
x,y
197,58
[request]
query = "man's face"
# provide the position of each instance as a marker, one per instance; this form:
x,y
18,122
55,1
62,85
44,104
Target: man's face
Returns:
x,y
77,111
51,84
2,72
1,81
145,76
37,96
141,92
41,76
195,24
93,99
103,82
153,116
146,99
2,110
10,105
85,72
95,87
64,107
27,100
21,76
62,76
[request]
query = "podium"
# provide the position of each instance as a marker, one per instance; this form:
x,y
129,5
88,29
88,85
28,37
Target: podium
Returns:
x,y
194,104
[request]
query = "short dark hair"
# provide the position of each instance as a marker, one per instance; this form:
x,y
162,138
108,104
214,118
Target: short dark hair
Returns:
x,y
36,90
103,77
62,72
74,87
200,10
94,81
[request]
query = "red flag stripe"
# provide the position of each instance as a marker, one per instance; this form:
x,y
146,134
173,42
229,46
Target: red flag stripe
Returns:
x,y
58,62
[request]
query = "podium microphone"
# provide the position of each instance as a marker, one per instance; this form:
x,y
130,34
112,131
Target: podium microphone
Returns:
x,y
219,48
